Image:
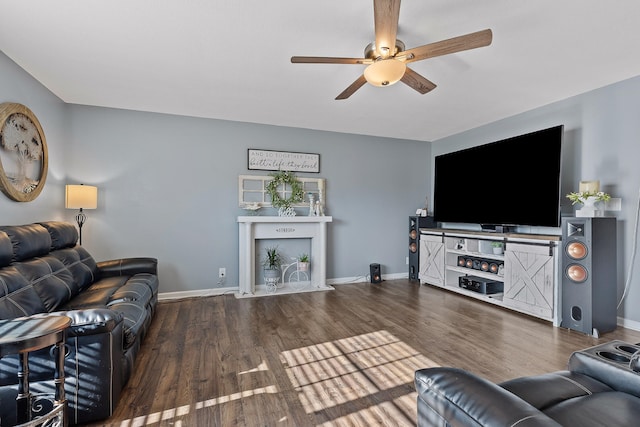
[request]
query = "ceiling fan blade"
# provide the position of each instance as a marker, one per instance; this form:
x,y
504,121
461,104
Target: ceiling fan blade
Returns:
x,y
352,88
328,60
417,82
445,47
386,14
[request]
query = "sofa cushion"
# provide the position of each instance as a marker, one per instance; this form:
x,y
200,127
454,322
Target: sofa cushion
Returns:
x,y
613,408
6,249
50,278
17,297
133,291
97,295
81,265
28,241
63,234
545,390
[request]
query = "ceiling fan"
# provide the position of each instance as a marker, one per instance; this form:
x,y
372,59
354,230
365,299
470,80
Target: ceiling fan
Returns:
x,y
387,59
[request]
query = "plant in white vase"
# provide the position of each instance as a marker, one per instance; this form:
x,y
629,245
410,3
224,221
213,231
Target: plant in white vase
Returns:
x,y
303,262
588,198
272,263
497,247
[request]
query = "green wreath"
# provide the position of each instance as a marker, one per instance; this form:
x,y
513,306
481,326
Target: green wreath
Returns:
x,y
284,178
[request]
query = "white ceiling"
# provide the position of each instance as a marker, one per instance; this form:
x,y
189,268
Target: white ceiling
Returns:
x,y
230,59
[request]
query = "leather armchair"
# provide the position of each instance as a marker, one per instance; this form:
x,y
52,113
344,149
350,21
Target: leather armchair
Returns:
x,y
598,388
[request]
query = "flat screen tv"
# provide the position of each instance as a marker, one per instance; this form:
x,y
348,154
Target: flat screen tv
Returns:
x,y
503,184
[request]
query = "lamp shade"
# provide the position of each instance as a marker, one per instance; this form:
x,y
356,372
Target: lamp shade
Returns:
x,y
385,72
81,197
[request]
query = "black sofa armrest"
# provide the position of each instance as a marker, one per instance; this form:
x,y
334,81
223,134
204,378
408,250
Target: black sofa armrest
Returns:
x,y
91,321
127,267
454,397
608,364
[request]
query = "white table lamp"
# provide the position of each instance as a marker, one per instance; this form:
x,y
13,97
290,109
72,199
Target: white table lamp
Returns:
x,y
81,197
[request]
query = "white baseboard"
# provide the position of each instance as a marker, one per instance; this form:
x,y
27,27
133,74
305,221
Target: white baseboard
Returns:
x,y
629,324
168,296
361,279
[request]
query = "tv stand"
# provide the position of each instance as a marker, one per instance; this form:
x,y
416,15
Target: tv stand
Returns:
x,y
525,278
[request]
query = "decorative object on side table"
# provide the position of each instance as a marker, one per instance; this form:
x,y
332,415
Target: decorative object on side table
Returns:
x,y
271,268
285,182
23,153
588,196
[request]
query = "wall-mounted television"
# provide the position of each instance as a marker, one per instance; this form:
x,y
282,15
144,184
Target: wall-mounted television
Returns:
x,y
503,184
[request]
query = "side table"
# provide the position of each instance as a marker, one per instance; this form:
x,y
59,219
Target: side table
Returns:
x,y
23,335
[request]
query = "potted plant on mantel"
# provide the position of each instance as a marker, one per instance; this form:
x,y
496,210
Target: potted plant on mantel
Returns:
x,y
271,264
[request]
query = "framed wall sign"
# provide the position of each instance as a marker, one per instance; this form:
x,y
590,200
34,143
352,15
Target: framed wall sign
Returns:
x,y
23,153
268,160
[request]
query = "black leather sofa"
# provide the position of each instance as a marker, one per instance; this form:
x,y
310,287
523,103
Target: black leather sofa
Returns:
x,y
111,304
601,387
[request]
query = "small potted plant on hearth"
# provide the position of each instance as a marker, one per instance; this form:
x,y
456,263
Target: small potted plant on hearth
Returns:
x,y
303,262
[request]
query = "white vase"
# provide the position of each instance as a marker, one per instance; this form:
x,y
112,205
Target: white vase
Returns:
x,y
589,208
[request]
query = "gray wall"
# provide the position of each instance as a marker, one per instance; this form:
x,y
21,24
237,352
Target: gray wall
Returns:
x,y
19,87
168,186
601,142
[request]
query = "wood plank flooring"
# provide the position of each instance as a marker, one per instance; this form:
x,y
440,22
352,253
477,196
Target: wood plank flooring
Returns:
x,y
338,358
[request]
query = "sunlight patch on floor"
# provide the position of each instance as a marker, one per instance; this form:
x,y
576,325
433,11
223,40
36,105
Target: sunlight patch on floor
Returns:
x,y
338,379
340,372
180,411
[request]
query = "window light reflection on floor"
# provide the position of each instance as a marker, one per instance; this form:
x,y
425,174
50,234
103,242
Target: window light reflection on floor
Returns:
x,y
341,372
332,379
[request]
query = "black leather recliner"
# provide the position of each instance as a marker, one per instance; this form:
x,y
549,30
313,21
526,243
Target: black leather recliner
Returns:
x,y
601,387
111,304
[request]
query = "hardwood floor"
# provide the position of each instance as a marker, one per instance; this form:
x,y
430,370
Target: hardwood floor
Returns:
x,y
338,358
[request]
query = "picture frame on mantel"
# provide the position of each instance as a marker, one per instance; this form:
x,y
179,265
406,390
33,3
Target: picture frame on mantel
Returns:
x,y
270,160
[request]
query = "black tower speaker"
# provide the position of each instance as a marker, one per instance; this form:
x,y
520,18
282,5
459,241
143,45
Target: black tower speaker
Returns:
x,y
415,223
374,271
589,279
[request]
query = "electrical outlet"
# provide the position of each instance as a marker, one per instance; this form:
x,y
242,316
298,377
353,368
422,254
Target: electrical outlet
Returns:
x,y
222,272
407,260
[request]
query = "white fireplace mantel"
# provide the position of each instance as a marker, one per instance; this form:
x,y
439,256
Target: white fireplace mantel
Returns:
x,y
252,228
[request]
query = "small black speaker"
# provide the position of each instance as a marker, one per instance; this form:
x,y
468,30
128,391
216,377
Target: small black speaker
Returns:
x,y
374,272
415,223
589,280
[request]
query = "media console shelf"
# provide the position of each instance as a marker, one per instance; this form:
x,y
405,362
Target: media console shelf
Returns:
x,y
524,278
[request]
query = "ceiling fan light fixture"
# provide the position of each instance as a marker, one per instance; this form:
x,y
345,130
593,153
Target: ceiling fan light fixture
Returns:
x,y
385,72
